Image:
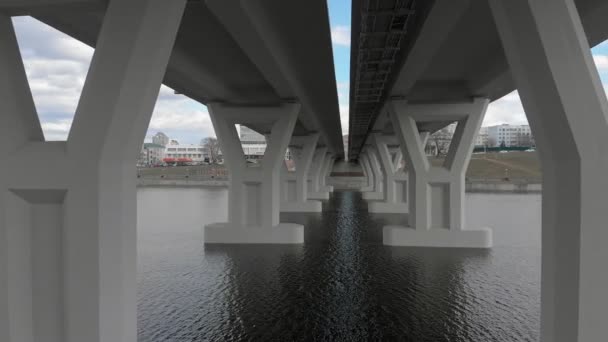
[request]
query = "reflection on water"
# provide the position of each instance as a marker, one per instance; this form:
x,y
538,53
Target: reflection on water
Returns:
x,y
342,284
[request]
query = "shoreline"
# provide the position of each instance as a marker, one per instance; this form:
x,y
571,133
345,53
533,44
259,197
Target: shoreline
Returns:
x,y
347,183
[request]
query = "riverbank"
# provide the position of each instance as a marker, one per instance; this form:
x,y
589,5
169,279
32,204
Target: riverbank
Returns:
x,y
342,183
513,172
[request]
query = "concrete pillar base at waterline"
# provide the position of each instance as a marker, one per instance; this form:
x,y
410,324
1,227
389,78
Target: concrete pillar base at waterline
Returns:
x,y
436,193
372,167
317,190
254,195
295,197
68,209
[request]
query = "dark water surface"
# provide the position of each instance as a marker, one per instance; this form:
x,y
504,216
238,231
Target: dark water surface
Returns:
x,y
342,284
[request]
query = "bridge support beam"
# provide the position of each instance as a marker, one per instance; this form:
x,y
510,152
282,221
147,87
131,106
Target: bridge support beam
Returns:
x,y
295,190
367,171
374,169
562,94
436,194
394,191
254,195
321,165
68,224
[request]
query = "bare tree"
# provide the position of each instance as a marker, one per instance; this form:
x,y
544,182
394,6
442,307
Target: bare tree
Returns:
x,y
442,139
213,148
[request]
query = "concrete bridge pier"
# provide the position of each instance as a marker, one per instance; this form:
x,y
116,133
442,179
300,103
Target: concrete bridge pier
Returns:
x,y
436,194
368,173
295,187
328,165
395,182
68,209
373,166
321,166
254,194
560,88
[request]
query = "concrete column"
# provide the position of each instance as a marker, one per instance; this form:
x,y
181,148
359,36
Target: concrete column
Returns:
x,y
397,159
254,195
394,186
374,166
303,148
369,175
436,194
328,166
317,173
562,95
68,229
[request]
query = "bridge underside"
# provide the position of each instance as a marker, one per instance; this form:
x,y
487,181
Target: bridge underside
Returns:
x,y
417,66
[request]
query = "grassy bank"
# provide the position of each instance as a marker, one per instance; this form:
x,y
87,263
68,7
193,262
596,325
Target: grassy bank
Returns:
x,y
511,166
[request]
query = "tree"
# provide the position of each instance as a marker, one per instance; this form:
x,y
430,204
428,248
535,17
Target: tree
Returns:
x,y
213,149
442,139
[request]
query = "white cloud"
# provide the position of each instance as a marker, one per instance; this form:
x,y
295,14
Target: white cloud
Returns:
x,y
56,66
601,61
340,35
508,109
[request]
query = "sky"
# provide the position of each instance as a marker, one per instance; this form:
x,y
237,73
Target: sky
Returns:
x,y
56,67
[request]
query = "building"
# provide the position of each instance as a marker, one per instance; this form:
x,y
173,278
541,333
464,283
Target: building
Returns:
x,y
509,135
482,137
160,138
151,154
196,153
253,143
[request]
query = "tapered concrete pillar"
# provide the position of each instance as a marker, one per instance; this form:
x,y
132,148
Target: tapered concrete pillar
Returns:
x,y
375,169
328,166
316,188
68,228
436,194
296,187
566,106
394,190
254,195
367,171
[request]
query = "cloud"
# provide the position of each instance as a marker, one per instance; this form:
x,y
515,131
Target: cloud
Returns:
x,y
340,35
601,62
507,109
56,66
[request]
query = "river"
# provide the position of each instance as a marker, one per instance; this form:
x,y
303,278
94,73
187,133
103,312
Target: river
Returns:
x,y
342,284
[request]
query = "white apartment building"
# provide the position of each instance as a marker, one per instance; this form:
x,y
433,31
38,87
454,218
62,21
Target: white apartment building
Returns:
x,y
195,152
482,137
509,135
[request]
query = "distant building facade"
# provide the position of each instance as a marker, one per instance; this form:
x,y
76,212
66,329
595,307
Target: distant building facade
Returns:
x,y
509,135
160,138
482,137
196,153
151,154
253,143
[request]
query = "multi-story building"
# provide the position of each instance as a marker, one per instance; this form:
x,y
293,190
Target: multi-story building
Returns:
x,y
196,153
151,154
509,135
253,143
160,138
482,137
